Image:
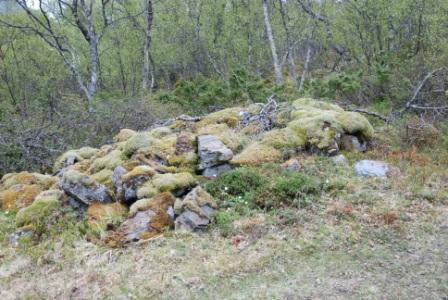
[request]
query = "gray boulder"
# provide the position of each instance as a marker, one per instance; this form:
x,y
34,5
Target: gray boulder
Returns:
x,y
371,168
83,188
212,152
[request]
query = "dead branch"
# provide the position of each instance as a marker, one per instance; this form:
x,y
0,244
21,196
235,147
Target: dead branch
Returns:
x,y
369,113
410,104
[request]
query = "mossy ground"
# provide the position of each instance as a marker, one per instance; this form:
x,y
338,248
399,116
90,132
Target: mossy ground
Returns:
x,y
355,238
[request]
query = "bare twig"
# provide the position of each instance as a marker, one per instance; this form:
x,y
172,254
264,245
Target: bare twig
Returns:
x,y
369,113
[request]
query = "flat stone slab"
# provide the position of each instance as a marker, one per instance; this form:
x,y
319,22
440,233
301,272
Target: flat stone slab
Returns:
x,y
371,168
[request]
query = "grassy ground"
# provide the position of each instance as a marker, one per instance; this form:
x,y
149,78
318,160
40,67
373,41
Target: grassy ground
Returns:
x,y
359,238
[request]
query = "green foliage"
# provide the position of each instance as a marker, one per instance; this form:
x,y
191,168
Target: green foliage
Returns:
x,y
265,187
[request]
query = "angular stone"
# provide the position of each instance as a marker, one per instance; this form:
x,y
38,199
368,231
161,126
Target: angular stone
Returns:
x,y
195,211
192,221
214,172
371,168
212,152
83,188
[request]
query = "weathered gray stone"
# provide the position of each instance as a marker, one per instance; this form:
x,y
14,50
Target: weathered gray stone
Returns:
x,y
195,211
215,171
212,152
192,221
340,160
83,188
371,168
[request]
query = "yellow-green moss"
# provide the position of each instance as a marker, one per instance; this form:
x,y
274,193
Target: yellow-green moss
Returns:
x,y
138,141
163,148
79,154
170,182
145,171
160,132
229,116
284,139
38,212
77,177
104,177
309,103
146,190
184,160
257,154
222,132
322,121
112,160
124,135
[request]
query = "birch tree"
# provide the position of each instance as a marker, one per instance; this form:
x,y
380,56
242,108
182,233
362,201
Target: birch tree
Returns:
x,y
267,23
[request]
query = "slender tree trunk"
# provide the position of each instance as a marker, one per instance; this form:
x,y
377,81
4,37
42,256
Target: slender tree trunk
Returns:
x,y
305,68
289,46
148,73
267,23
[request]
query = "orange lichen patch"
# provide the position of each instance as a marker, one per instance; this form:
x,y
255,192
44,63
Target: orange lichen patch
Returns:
x,y
99,215
19,196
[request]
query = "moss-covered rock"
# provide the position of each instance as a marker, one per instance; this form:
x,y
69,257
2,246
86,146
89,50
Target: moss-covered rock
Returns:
x,y
40,210
229,116
73,156
148,203
146,190
257,154
171,182
232,139
11,179
160,132
138,141
137,172
124,135
285,139
18,196
110,161
161,149
83,188
324,123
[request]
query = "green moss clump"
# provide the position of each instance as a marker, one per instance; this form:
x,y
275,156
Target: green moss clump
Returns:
x,y
40,210
124,135
112,160
322,122
233,140
103,177
229,116
284,139
309,103
160,132
79,154
147,190
138,141
171,182
257,154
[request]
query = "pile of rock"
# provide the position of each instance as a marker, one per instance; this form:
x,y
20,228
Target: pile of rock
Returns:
x,y
152,179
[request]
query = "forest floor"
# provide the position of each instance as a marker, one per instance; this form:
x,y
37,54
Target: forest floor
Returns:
x,y
371,239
